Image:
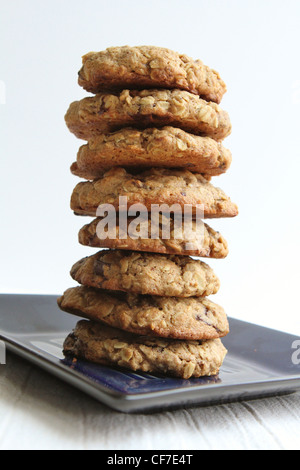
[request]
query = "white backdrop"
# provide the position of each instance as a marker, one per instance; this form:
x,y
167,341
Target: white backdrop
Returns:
x,y
255,46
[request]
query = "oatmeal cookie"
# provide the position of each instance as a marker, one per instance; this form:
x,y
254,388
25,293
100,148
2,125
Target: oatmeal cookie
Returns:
x,y
153,187
146,274
149,67
108,112
193,318
195,240
168,147
107,346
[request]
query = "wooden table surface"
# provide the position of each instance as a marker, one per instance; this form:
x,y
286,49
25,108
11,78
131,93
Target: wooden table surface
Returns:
x,y
38,411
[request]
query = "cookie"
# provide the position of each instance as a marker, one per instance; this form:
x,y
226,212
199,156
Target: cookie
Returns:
x,y
168,147
149,67
146,274
106,112
192,318
100,344
153,187
208,244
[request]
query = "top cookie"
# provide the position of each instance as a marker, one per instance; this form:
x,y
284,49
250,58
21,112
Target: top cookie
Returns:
x,y
149,67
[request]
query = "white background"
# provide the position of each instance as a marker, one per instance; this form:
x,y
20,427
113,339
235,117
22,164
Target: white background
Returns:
x,y
254,44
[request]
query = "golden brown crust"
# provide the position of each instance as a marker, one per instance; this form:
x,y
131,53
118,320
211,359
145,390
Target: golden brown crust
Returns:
x,y
146,274
149,67
153,187
209,244
106,112
192,318
104,345
168,147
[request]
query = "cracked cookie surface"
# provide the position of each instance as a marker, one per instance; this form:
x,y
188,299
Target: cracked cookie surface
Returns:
x,y
147,108
146,274
107,346
192,318
154,187
149,67
168,147
196,240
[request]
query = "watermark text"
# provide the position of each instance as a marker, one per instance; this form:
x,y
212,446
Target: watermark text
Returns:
x,y
164,222
296,354
2,353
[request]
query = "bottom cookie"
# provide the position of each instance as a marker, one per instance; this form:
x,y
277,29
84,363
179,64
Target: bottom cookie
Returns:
x,y
108,346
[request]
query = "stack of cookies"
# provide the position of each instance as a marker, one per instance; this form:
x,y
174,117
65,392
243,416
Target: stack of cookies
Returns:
x,y
154,132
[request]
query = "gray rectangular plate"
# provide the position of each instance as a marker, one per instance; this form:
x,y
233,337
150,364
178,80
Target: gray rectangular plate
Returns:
x,y
259,362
